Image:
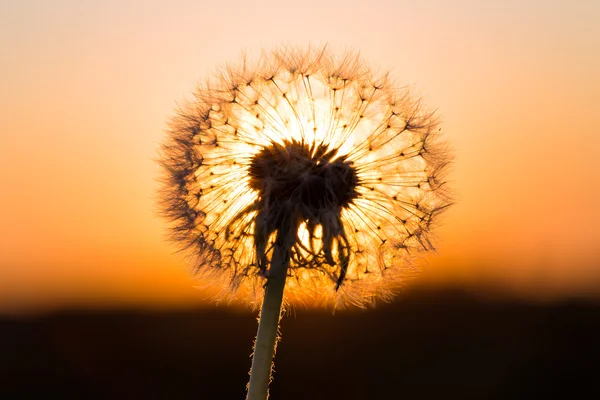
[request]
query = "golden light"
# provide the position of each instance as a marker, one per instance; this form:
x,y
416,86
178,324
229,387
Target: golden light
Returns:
x,y
333,106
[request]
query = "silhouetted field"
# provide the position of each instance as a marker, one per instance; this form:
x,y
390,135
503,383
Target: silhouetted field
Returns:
x,y
426,345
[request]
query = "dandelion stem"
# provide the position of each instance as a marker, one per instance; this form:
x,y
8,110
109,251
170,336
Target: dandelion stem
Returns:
x,y
266,338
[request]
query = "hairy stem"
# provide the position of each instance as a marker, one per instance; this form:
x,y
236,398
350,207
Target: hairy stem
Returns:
x,y
266,338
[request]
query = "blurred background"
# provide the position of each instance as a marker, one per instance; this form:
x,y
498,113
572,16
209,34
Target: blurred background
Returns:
x,y
94,302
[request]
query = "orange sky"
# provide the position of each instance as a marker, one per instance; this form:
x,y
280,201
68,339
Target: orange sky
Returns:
x,y
87,90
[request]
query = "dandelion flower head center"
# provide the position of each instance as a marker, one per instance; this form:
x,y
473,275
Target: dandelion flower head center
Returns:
x,y
296,176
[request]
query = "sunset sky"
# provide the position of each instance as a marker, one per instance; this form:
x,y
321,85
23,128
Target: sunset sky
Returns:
x,y
88,86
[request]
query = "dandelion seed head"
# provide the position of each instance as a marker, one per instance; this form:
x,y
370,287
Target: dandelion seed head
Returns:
x,y
319,146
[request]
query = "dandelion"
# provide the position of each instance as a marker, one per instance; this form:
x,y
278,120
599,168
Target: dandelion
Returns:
x,y
306,172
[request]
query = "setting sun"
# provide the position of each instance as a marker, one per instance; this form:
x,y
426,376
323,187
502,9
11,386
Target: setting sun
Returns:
x,y
353,163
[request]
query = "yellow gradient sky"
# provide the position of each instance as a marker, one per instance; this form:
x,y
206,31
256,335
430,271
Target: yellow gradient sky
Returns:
x,y
87,88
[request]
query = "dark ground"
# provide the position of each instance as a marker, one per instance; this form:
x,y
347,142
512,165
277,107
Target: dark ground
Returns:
x,y
427,345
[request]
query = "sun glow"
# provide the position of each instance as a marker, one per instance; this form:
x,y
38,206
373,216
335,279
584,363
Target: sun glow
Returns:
x,y
350,159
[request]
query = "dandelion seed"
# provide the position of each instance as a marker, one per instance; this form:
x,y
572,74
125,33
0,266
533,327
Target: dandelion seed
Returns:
x,y
305,171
